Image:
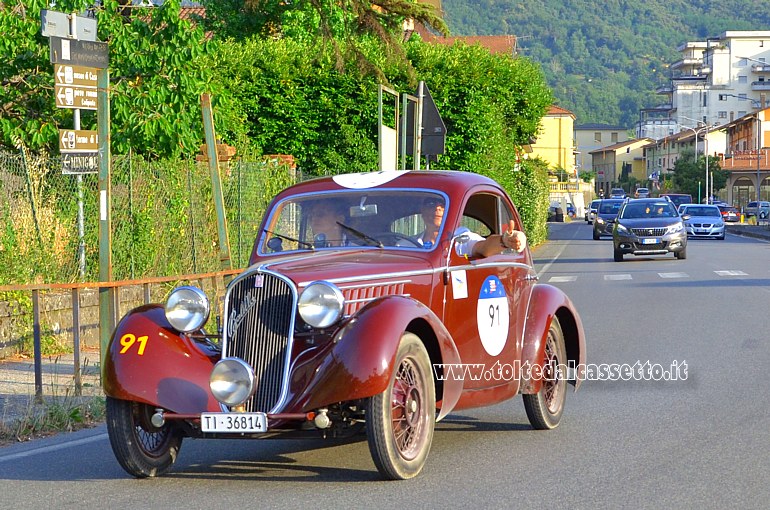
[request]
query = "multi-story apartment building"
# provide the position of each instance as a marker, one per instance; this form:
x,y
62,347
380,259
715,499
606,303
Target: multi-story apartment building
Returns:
x,y
714,82
589,137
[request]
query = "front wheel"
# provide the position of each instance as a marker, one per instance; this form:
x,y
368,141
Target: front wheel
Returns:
x,y
544,408
400,420
681,254
141,448
618,255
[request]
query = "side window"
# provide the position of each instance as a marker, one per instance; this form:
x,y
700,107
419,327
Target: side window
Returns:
x,y
485,213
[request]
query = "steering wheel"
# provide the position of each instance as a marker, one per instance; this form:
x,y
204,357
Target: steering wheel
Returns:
x,y
395,237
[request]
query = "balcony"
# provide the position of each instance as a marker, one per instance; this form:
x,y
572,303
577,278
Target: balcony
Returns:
x,y
760,85
664,89
746,161
687,62
760,68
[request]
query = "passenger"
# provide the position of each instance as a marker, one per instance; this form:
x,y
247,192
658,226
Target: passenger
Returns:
x,y
432,211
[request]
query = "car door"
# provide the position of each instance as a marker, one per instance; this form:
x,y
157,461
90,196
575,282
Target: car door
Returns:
x,y
486,302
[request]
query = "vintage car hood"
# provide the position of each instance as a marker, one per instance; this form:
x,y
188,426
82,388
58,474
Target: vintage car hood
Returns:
x,y
345,264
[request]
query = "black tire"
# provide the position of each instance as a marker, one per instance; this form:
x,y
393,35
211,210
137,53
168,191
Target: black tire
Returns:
x,y
681,254
721,238
142,449
596,236
545,408
400,420
762,215
617,255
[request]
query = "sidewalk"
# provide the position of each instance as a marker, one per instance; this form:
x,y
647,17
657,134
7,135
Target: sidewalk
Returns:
x,y
17,382
746,230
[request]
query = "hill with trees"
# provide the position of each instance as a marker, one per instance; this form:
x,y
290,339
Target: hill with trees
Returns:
x,y
604,60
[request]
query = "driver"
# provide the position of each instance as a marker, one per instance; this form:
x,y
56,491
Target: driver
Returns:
x,y
324,219
432,211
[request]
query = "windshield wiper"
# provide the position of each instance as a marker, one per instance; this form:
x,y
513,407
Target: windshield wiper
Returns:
x,y
302,243
361,235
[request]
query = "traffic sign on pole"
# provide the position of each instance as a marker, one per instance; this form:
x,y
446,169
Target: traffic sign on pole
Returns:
x,y
75,75
74,140
80,53
81,98
57,24
80,163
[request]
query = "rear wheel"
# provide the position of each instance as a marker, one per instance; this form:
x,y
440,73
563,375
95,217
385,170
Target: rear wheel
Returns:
x,y
400,420
141,448
544,408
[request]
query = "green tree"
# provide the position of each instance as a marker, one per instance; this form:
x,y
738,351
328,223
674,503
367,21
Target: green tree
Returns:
x,y
690,174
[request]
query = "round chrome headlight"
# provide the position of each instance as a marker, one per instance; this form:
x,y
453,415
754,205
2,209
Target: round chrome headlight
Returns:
x,y
321,304
187,309
232,381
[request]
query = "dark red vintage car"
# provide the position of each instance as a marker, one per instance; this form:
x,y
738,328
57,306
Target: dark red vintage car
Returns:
x,y
362,308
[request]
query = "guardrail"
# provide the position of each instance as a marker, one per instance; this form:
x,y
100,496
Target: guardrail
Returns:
x,y
151,290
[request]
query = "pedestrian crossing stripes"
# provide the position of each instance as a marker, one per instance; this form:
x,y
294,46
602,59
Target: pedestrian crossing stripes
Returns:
x,y
627,276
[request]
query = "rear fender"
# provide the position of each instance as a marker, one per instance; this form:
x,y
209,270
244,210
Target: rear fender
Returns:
x,y
362,361
546,303
149,361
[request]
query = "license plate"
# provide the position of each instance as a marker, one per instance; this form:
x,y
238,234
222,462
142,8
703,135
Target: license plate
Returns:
x,y
233,423
650,240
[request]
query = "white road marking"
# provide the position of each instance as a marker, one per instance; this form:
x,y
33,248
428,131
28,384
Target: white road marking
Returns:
x,y
731,272
614,277
557,279
53,448
673,275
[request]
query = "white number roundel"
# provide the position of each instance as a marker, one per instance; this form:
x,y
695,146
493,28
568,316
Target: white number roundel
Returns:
x,y
492,316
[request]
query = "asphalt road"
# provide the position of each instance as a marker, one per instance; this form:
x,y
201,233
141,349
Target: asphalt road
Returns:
x,y
698,442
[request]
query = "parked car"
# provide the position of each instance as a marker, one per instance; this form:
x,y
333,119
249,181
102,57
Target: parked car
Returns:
x,y
649,226
591,211
642,193
571,212
704,221
369,327
606,213
617,193
754,208
729,213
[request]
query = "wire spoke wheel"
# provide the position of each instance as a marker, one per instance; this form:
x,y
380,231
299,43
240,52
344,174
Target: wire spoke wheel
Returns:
x,y
545,408
141,448
400,421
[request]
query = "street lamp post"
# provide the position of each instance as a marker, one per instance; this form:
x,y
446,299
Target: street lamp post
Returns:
x,y
695,131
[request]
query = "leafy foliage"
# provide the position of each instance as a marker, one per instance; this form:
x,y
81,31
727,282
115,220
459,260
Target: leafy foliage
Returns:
x,y
690,174
604,63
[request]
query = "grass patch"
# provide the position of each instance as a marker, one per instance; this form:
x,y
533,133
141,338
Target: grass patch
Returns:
x,y
61,409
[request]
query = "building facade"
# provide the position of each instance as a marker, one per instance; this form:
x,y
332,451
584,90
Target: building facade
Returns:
x,y
614,162
589,137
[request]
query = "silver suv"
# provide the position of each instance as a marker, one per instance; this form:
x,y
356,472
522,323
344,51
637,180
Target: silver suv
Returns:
x,y
761,208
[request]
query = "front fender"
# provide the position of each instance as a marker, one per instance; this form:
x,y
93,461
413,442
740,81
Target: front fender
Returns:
x,y
149,361
546,303
362,360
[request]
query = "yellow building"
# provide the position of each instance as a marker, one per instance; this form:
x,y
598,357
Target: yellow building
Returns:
x,y
555,143
618,160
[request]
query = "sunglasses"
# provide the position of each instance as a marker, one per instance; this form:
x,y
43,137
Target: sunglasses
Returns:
x,y
432,203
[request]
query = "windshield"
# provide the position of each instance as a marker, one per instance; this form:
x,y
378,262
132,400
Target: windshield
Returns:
x,y
609,207
336,220
702,211
648,210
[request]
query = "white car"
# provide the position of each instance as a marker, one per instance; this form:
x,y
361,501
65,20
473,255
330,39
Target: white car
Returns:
x,y
704,221
642,193
591,211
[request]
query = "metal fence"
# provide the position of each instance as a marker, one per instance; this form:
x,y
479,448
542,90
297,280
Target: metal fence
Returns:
x,y
163,217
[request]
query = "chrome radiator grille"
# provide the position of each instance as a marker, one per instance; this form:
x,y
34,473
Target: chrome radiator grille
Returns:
x,y
259,315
